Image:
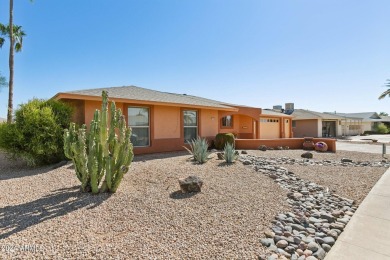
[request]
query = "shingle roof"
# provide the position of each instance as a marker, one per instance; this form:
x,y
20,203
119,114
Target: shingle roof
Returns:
x,y
273,113
302,114
143,94
385,118
363,115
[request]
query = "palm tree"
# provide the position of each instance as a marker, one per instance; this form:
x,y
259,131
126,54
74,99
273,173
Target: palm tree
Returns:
x,y
387,92
15,35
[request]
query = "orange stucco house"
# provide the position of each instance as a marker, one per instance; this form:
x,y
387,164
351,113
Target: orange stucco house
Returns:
x,y
164,121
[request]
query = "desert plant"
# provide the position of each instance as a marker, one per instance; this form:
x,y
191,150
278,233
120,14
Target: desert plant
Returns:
x,y
36,134
222,139
381,129
229,153
198,149
105,151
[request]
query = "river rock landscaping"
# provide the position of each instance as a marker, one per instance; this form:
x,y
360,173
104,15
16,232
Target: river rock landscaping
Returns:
x,y
318,215
242,212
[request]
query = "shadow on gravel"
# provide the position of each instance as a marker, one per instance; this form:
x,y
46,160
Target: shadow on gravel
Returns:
x,y
17,168
178,195
149,157
224,164
24,172
16,218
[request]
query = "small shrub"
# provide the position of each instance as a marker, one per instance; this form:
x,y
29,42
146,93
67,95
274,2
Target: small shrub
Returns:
x,y
230,154
198,149
382,129
36,135
222,139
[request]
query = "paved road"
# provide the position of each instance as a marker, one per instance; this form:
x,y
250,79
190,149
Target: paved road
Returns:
x,y
367,148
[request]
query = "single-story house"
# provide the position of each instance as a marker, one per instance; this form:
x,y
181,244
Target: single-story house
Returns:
x,y
316,124
163,121
368,120
2,120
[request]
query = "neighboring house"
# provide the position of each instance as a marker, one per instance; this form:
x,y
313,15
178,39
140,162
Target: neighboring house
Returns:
x,y
316,124
2,120
163,121
275,125
369,120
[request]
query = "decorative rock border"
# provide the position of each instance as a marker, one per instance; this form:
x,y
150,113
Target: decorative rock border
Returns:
x,y
317,218
307,162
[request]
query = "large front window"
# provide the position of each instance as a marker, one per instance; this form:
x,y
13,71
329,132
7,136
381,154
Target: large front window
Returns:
x,y
140,124
190,125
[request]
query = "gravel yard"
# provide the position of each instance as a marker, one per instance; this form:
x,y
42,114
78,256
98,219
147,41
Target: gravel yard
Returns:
x,y
350,182
43,214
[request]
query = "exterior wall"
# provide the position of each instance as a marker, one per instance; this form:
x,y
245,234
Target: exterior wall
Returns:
x,y
307,128
209,125
245,127
351,127
91,106
319,129
292,143
166,122
367,126
340,128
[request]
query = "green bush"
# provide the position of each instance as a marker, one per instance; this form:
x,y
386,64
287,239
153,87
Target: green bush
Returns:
x,y
381,129
222,139
36,134
198,148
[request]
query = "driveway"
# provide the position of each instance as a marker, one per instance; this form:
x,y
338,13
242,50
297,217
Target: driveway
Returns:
x,y
365,148
364,143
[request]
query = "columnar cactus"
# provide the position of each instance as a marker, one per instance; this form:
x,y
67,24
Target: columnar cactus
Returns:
x,y
103,152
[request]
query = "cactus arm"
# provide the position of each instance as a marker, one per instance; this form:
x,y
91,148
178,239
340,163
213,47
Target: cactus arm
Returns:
x,y
108,173
103,125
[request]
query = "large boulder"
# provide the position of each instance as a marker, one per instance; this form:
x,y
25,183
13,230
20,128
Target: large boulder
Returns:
x,y
190,184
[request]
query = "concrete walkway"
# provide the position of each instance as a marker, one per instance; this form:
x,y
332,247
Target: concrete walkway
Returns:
x,y
367,235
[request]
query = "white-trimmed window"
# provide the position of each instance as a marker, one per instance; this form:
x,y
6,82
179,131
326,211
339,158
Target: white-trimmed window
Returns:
x,y
139,121
227,121
190,119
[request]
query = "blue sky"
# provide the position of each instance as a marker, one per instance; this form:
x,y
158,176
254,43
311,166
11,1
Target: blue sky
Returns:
x,y
322,55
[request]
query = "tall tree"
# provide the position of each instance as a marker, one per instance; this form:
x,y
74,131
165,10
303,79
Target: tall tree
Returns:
x,y
387,92
15,36
11,63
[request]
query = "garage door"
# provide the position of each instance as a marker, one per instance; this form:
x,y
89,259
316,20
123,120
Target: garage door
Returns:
x,y
269,128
